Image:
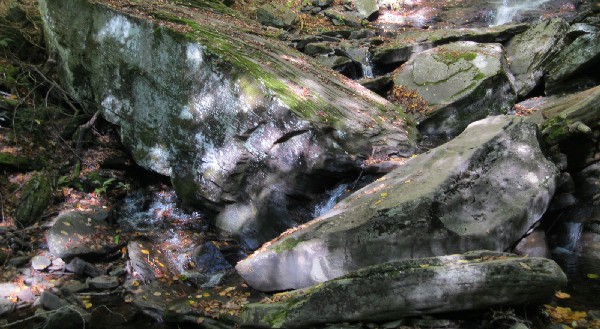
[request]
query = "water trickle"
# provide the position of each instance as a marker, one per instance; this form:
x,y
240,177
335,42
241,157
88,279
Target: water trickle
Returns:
x,y
367,66
510,8
333,197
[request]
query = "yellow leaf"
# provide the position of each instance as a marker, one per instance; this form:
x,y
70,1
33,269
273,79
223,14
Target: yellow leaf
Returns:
x,y
136,283
157,293
592,276
562,295
145,252
378,202
87,305
424,265
205,294
384,194
64,233
525,266
67,224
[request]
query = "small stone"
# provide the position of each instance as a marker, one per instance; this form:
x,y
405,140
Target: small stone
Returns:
x,y
50,301
118,271
103,282
6,307
40,263
81,267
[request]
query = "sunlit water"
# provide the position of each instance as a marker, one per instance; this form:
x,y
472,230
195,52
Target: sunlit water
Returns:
x,y
510,8
334,196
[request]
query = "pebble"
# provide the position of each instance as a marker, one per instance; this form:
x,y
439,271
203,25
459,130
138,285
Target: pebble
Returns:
x,y
40,263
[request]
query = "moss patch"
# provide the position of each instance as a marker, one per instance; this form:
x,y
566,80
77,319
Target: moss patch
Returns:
x,y
286,244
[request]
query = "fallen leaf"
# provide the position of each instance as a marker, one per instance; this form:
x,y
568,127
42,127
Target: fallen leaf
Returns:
x,y
145,252
562,295
87,305
384,194
525,266
593,276
157,293
64,233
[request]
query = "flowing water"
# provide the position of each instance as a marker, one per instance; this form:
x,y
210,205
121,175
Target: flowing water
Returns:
x,y
509,9
333,197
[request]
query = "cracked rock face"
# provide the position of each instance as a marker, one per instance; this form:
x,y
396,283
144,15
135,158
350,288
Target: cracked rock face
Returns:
x,y
462,82
241,123
489,186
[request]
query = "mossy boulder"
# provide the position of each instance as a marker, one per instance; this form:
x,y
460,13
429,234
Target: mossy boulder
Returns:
x,y
529,52
482,190
404,288
37,196
17,163
237,119
575,67
462,83
276,15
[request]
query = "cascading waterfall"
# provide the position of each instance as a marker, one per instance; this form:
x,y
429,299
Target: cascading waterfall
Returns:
x,y
510,8
334,196
367,66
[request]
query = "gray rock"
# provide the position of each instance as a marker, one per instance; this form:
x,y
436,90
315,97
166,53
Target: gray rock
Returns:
x,y
529,52
241,123
462,82
6,307
534,245
319,48
75,286
103,282
81,234
342,64
412,287
362,34
81,267
570,68
588,182
51,302
491,184
40,262
276,15
407,44
19,261
366,8
70,317
7,289
344,18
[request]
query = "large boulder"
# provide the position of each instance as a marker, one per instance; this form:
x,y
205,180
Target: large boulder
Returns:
x,y
405,288
242,124
528,52
482,190
276,15
575,67
462,82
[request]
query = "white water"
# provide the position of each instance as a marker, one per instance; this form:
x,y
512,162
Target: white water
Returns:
x,y
329,203
367,66
510,8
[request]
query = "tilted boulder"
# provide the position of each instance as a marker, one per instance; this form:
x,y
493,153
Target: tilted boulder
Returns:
x,y
482,190
530,51
462,82
242,124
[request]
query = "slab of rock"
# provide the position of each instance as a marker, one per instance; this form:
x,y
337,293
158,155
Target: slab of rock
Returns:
x,y
529,52
366,8
482,190
241,123
575,66
413,287
405,45
462,83
83,234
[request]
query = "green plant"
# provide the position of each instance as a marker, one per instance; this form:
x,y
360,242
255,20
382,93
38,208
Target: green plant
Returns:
x,y
103,188
5,42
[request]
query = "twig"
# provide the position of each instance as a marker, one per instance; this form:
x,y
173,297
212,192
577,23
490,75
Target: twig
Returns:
x,y
53,312
82,130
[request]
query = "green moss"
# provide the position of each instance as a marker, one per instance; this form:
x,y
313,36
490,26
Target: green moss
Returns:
x,y
286,244
276,319
479,76
450,57
555,130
